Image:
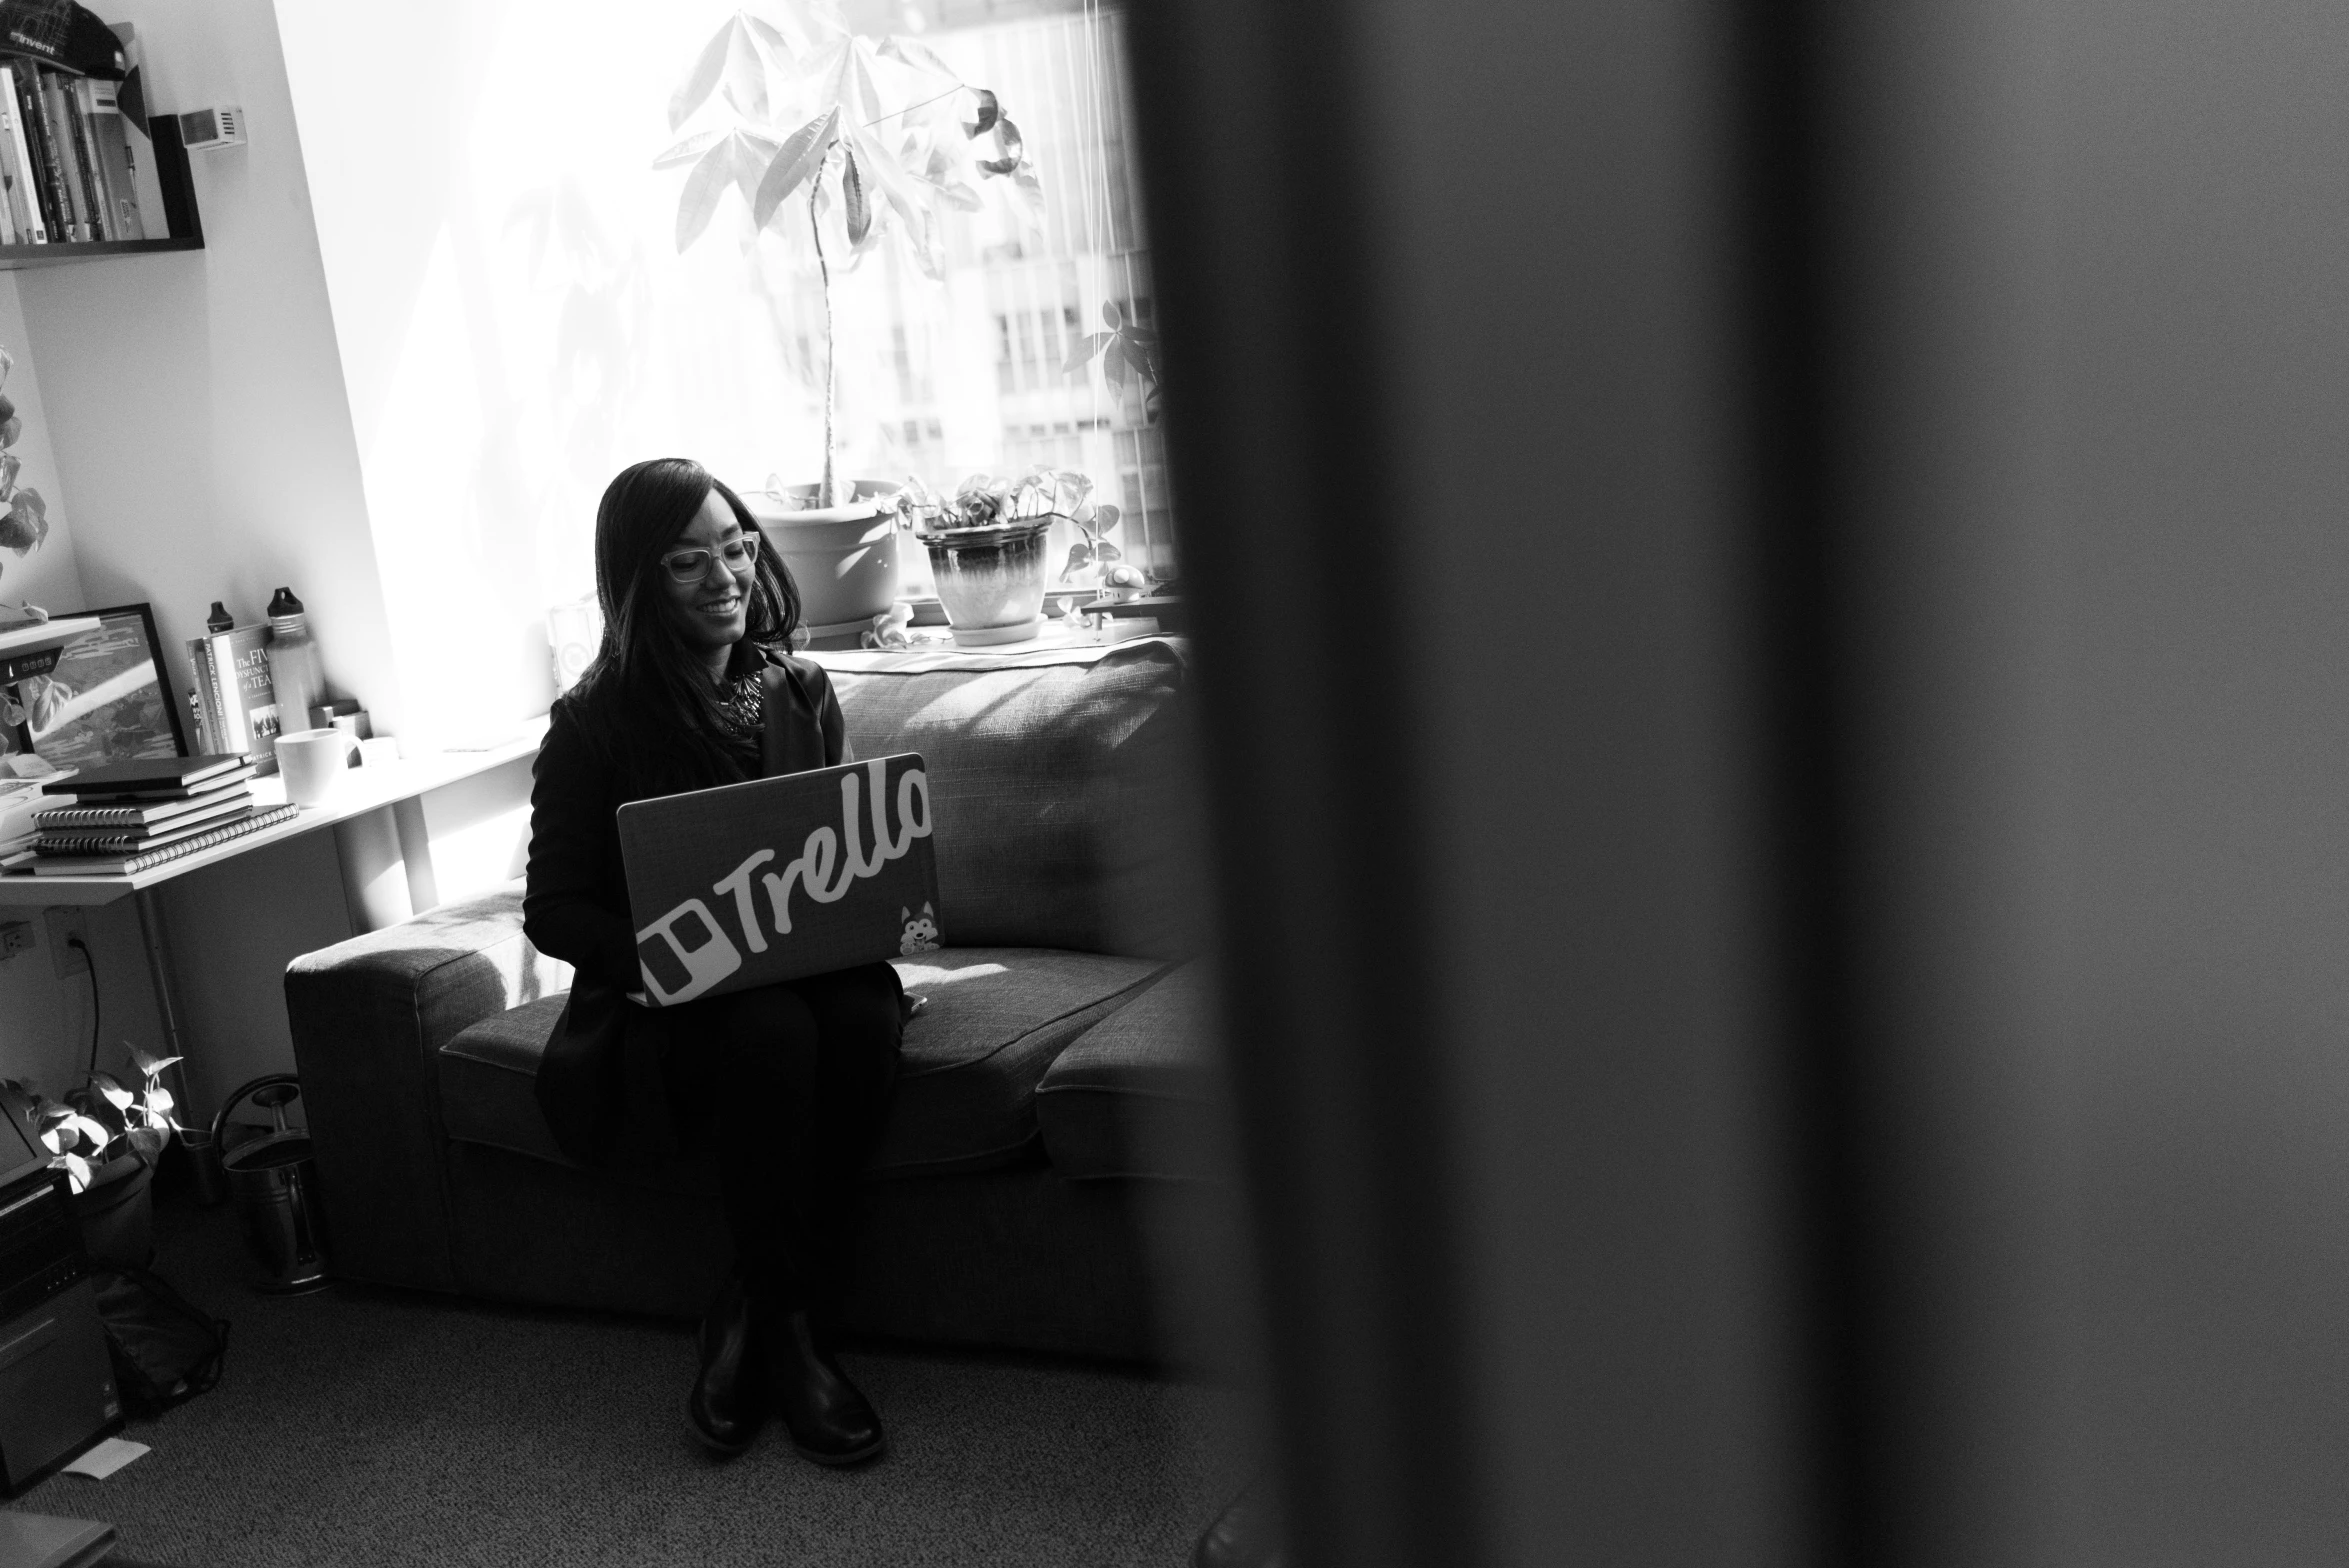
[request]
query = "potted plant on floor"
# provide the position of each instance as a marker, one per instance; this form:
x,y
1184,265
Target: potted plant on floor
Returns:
x,y
989,548
106,1136
838,141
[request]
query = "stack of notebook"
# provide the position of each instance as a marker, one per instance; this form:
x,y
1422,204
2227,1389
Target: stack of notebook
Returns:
x,y
128,816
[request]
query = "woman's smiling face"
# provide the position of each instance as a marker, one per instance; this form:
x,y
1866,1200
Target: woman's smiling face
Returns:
x,y
713,607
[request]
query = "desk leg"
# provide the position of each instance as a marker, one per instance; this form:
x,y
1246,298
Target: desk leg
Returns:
x,y
166,1005
375,883
416,853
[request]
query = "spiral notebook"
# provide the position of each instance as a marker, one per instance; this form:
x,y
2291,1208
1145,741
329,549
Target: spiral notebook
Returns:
x,y
127,864
74,833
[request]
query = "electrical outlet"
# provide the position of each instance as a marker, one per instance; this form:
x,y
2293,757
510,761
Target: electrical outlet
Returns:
x,y
15,937
63,923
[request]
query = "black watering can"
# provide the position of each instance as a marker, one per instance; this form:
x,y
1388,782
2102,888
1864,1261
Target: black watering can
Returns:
x,y
274,1182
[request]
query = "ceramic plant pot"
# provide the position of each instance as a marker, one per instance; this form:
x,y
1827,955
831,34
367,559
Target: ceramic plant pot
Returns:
x,y
991,580
117,1212
844,558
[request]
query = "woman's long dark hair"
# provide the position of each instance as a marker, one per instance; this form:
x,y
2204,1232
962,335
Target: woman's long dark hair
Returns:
x,y
646,696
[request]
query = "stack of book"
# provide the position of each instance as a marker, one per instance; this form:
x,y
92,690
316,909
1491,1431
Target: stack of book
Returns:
x,y
129,816
236,696
66,165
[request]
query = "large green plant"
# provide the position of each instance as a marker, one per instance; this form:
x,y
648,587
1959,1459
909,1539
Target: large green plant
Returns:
x,y
816,117
24,516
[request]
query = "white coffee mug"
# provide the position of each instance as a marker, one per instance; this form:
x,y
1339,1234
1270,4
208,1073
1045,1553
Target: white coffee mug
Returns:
x,y
312,761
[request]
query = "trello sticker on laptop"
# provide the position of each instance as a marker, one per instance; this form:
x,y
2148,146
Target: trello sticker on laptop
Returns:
x,y
684,953
781,878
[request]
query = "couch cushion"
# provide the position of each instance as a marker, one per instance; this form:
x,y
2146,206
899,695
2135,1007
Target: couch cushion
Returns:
x,y
489,1080
1063,795
966,1082
1141,1093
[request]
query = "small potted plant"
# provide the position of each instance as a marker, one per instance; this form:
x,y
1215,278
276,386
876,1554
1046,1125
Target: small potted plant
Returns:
x,y
106,1137
989,547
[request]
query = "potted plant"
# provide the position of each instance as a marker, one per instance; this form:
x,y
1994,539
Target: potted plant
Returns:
x,y
839,141
1128,355
990,552
106,1137
24,516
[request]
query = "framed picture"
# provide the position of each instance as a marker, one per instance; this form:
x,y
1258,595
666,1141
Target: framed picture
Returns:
x,y
108,699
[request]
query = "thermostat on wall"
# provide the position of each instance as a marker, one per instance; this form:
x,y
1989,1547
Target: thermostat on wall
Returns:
x,y
205,128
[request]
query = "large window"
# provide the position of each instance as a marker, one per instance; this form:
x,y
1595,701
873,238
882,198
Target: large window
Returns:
x,y
1017,300
525,324
942,378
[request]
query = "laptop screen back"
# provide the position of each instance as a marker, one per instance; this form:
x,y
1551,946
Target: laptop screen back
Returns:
x,y
777,879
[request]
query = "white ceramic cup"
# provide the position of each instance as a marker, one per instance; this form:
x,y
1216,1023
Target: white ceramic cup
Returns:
x,y
312,762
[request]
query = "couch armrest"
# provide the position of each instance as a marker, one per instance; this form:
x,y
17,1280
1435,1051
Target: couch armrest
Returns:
x,y
368,1017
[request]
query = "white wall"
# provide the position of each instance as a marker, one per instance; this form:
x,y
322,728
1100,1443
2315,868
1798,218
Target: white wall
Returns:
x,y
204,444
505,348
195,400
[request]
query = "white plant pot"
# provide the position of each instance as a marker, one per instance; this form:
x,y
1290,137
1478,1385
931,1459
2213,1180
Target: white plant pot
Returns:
x,y
991,580
843,558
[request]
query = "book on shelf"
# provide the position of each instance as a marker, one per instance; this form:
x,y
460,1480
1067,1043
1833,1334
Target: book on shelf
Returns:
x,y
77,159
131,95
12,222
57,128
25,138
88,184
101,104
239,701
16,162
143,860
48,189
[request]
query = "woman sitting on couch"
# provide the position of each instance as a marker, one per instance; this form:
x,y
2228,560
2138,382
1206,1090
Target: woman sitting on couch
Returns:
x,y
694,687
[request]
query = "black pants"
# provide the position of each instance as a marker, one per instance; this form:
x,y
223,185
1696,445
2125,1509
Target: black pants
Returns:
x,y
793,1081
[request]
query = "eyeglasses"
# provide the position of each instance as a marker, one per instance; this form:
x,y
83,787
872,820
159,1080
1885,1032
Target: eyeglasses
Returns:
x,y
690,566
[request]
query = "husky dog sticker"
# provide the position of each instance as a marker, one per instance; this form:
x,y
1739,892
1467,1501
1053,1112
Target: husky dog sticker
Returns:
x,y
918,933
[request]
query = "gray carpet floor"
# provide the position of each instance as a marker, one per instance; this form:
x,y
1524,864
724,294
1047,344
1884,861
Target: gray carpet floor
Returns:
x,y
364,1426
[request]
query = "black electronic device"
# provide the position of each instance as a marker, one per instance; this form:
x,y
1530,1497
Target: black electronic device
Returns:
x,y
57,1393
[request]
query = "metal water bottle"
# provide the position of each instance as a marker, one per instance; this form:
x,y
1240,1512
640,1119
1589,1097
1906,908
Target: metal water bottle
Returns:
x,y
293,663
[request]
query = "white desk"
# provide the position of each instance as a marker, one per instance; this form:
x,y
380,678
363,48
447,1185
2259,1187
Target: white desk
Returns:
x,y
377,815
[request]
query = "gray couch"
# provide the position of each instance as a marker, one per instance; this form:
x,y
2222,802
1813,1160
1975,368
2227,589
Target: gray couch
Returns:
x,y
1065,1035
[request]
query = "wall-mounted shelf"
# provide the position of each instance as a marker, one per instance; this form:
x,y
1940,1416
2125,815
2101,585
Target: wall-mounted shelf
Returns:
x,y
16,258
184,228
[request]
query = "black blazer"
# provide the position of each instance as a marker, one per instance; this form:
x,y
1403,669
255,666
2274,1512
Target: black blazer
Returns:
x,y
600,1073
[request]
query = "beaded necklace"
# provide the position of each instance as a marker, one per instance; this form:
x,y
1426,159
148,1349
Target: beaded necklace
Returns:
x,y
743,712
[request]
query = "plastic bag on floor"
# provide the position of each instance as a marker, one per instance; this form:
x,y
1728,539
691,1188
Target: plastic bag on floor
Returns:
x,y
165,1348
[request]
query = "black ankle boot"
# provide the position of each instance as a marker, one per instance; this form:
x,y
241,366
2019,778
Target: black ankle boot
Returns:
x,y
829,1421
727,1404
